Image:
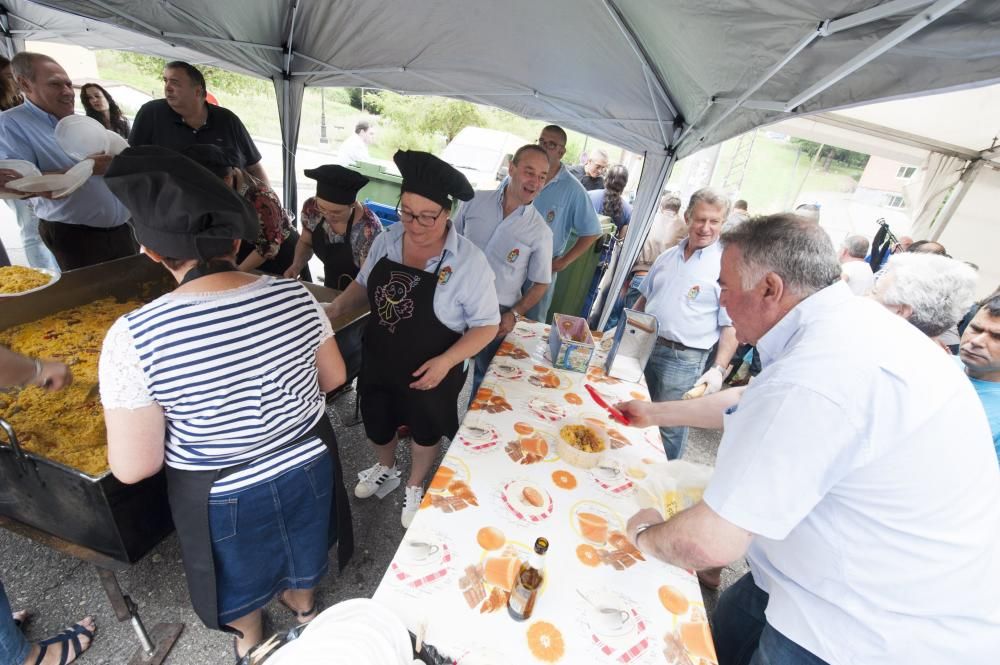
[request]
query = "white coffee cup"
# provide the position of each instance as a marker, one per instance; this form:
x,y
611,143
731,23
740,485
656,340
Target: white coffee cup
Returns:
x,y
416,551
605,619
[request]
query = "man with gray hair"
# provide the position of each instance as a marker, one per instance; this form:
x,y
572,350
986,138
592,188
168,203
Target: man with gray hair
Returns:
x,y
682,291
591,172
87,226
930,291
866,543
854,269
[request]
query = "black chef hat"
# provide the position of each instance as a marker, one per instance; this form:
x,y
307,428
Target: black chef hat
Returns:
x,y
431,177
212,157
336,184
179,209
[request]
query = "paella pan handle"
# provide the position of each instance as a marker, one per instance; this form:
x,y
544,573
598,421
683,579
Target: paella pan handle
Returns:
x,y
12,440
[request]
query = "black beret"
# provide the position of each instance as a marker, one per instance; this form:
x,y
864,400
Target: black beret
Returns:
x,y
432,177
337,184
212,157
179,209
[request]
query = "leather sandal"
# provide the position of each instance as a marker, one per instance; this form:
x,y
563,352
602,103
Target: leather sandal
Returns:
x,y
64,639
308,615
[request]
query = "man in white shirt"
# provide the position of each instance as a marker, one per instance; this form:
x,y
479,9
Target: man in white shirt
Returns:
x,y
854,269
856,474
682,291
354,149
516,241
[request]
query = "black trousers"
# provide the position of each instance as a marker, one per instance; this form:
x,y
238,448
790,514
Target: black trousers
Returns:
x,y
76,246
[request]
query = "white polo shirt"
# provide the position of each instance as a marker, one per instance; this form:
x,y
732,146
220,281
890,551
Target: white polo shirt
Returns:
x,y
859,276
465,297
518,247
863,463
684,295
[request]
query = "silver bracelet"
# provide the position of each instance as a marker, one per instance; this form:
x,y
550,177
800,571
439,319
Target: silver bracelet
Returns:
x,y
641,529
38,372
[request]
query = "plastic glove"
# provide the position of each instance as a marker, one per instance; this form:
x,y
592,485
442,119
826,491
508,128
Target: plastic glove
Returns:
x,y
712,380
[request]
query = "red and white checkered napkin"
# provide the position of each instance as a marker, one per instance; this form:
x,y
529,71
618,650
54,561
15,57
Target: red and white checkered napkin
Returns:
x,y
539,517
626,654
430,578
618,487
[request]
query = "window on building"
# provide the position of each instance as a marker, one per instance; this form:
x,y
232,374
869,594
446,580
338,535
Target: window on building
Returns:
x,y
894,201
905,172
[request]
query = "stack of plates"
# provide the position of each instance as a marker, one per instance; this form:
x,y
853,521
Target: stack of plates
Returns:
x,y
80,136
61,185
358,631
26,169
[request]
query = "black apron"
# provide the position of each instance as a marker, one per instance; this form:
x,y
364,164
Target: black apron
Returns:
x,y
188,493
280,262
403,332
339,269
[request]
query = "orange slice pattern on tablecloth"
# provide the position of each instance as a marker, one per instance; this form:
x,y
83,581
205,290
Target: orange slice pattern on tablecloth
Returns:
x,y
491,538
588,556
490,403
573,398
673,600
546,642
523,428
563,479
528,449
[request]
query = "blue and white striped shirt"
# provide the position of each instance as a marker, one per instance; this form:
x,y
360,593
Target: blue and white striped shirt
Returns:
x,y
234,372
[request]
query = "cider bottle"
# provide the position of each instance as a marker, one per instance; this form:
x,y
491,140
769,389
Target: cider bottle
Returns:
x,y
529,580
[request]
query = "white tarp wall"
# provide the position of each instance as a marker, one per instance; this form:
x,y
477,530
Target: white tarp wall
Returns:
x,y
974,234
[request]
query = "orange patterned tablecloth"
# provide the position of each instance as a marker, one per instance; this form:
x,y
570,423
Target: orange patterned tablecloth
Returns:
x,y
500,486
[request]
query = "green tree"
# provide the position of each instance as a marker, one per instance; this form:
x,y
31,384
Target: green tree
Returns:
x,y
430,115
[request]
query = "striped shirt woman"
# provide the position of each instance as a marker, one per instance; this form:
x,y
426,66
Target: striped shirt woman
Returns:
x,y
234,372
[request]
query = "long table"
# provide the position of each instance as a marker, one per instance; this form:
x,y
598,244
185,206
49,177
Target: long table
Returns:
x,y
500,486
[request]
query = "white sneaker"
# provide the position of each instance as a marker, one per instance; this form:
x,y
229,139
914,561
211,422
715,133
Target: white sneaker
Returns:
x,y
378,480
411,504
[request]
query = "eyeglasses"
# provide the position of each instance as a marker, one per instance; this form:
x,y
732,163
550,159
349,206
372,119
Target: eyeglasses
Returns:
x,y
423,219
549,145
600,168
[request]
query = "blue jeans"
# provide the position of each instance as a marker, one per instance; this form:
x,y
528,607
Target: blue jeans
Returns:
x,y
541,310
743,636
14,647
37,253
271,536
629,300
669,374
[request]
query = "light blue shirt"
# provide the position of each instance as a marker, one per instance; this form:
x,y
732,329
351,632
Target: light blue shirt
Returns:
x,y
565,207
464,297
989,395
518,247
27,132
684,295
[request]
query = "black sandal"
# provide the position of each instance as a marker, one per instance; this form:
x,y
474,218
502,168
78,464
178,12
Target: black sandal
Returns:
x,y
68,636
311,612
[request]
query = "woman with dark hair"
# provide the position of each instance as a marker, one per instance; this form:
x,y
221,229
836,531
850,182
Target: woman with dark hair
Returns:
x,y
222,383
609,201
101,106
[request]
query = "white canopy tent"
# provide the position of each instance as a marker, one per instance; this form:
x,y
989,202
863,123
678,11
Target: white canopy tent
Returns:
x,y
954,138
662,79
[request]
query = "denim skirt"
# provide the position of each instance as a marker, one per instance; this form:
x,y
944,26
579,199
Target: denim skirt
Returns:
x,y
270,537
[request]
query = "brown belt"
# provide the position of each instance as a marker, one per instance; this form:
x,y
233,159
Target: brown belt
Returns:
x,y
671,344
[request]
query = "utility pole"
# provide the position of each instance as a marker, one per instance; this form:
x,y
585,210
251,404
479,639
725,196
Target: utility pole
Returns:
x,y
322,116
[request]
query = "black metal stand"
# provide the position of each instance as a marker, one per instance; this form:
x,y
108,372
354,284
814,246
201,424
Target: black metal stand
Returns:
x,y
153,648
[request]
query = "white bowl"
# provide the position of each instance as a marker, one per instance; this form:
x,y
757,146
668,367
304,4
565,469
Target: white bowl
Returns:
x,y
34,184
22,167
81,136
76,176
115,143
581,458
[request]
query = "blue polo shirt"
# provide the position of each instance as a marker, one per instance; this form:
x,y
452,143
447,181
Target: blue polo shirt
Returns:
x,y
27,132
518,246
565,207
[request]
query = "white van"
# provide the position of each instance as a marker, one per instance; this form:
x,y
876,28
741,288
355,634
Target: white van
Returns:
x,y
481,154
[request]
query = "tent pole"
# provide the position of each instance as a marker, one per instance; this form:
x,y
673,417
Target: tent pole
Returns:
x,y
289,188
958,193
904,31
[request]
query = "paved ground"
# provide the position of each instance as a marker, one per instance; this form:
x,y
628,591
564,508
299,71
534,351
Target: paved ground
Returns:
x,y
59,590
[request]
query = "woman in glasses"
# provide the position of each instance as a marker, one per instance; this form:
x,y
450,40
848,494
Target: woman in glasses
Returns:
x,y
433,306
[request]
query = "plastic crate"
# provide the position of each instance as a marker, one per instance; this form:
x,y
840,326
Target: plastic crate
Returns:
x,y
386,214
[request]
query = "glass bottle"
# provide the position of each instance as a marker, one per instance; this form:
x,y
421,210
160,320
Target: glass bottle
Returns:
x,y
529,579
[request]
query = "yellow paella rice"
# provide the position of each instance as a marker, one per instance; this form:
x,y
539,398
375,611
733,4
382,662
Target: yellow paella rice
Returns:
x,y
66,426
15,279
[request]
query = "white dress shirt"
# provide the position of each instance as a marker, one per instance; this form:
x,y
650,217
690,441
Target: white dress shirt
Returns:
x,y
859,277
518,246
684,295
863,463
464,297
